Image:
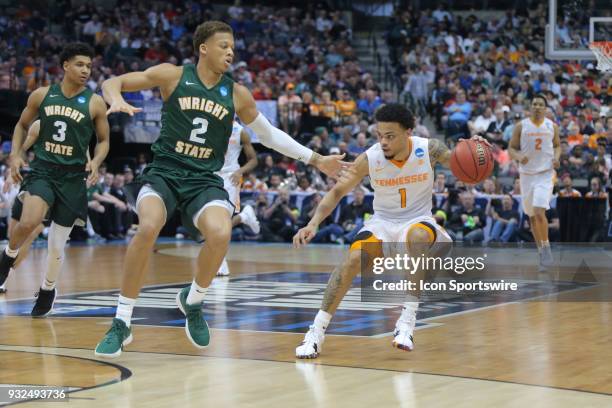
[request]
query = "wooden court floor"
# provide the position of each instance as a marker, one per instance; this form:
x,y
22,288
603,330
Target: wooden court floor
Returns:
x,y
540,353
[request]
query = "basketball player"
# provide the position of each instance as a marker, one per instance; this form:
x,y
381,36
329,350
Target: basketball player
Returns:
x,y
400,167
231,173
197,116
535,145
6,188
69,112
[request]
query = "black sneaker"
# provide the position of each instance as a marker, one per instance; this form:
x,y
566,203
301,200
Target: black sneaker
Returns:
x,y
6,263
44,302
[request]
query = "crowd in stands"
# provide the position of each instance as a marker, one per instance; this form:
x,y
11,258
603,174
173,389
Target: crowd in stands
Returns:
x,y
466,75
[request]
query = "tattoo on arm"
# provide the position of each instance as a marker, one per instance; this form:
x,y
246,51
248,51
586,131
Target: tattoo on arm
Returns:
x,y
438,152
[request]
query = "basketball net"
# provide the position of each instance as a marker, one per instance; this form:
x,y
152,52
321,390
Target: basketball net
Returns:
x,y
603,52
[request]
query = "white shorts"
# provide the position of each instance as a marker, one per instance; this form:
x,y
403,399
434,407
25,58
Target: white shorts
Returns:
x,y
393,231
536,190
232,190
147,191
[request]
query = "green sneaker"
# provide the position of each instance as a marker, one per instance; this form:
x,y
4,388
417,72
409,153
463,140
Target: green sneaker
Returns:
x,y
116,337
195,325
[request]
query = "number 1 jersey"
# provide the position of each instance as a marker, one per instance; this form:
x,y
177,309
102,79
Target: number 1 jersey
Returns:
x,y
402,191
196,124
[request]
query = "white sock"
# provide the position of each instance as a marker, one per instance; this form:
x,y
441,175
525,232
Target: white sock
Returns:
x,y
545,244
11,252
322,320
409,308
196,294
124,309
90,230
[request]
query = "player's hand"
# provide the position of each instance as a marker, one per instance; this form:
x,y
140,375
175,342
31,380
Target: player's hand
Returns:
x,y
556,164
16,163
236,177
122,106
92,168
524,160
331,165
481,139
304,236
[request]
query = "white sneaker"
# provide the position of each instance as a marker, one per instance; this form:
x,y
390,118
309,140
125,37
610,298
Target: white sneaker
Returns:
x,y
223,269
546,258
250,219
311,346
3,288
404,328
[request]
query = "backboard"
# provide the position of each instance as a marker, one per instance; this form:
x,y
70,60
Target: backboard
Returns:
x,y
573,24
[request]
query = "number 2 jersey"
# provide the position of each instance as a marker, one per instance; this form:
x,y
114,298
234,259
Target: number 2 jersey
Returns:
x,y
402,191
196,124
66,128
537,144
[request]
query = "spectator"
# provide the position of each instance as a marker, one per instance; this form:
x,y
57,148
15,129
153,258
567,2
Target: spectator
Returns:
x,y
278,221
468,219
346,105
289,108
369,104
596,191
459,113
568,190
505,221
354,214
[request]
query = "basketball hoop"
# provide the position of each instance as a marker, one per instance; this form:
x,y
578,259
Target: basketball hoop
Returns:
x,y
603,52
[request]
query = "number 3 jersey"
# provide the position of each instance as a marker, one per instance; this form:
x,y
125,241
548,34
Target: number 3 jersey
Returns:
x,y
66,128
196,124
402,191
537,144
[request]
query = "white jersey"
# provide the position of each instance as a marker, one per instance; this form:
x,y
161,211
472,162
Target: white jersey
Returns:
x,y
233,151
402,191
537,145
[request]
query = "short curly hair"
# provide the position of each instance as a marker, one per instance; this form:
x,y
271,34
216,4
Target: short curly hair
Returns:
x,y
397,113
71,50
207,30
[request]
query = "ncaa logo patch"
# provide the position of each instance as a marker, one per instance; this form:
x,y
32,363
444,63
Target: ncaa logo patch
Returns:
x,y
419,152
223,91
81,99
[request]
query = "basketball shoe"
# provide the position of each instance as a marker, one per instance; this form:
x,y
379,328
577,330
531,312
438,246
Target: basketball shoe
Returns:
x,y
223,269
249,218
404,328
311,346
44,302
118,336
195,325
6,263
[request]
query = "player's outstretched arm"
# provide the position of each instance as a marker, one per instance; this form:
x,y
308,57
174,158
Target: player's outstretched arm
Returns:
x,y
440,153
514,148
103,135
163,76
349,180
276,139
29,114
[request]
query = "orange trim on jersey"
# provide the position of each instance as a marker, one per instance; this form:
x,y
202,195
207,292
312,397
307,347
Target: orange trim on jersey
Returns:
x,y
400,163
424,227
357,245
537,124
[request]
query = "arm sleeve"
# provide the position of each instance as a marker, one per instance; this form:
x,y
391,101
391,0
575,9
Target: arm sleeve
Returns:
x,y
278,140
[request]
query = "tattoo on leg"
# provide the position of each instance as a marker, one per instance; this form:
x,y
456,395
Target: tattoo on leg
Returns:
x,y
331,291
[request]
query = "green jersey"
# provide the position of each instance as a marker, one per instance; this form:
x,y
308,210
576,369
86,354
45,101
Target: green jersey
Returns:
x,y
196,124
66,128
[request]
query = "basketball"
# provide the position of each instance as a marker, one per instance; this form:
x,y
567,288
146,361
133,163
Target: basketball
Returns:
x,y
471,161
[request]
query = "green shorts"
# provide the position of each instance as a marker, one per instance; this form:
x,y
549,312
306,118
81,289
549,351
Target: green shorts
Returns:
x,y
185,191
62,188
